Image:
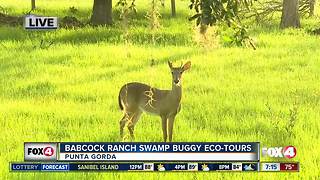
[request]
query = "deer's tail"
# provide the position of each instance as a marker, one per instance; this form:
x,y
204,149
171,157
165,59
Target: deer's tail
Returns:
x,y
119,101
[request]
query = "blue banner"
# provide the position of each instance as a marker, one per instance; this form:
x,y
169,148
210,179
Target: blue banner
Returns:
x,y
139,147
105,167
40,167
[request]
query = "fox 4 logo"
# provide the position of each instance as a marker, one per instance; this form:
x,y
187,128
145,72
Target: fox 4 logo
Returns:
x,y
280,152
47,151
40,151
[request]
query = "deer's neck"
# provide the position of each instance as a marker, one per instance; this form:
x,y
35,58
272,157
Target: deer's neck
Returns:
x,y
176,92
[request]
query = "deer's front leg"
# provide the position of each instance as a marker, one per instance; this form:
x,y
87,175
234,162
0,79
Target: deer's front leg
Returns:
x,y
164,127
170,128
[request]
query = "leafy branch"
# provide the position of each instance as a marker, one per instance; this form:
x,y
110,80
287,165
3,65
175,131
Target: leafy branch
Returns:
x,y
265,10
213,12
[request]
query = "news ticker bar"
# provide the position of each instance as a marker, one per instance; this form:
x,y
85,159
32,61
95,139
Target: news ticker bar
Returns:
x,y
142,151
142,167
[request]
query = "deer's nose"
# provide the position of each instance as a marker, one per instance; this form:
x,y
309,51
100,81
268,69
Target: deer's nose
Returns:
x,y
176,81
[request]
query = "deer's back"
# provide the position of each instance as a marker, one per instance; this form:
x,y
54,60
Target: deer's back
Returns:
x,y
144,97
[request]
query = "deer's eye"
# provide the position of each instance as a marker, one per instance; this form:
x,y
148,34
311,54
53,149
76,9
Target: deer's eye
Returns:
x,y
171,72
180,72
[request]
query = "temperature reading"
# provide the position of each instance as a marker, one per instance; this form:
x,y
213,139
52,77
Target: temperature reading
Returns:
x,y
192,166
289,166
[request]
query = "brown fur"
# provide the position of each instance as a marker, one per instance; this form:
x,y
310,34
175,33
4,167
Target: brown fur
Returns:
x,y
135,98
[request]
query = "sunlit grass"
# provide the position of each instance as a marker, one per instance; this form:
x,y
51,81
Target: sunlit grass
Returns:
x,y
68,91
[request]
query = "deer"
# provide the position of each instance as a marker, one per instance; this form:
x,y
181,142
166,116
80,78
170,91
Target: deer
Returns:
x,y
135,98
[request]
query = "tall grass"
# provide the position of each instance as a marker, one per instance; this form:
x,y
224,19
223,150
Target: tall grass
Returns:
x,y
68,91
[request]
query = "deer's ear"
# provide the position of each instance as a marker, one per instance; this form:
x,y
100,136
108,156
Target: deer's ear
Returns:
x,y
170,64
186,66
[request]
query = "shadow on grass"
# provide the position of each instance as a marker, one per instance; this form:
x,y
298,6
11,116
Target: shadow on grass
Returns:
x,y
88,35
139,31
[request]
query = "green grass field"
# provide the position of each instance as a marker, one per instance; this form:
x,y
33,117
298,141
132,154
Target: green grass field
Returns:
x,y
68,92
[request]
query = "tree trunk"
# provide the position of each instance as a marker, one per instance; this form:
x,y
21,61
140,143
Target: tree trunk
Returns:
x,y
311,6
102,12
173,8
33,4
290,14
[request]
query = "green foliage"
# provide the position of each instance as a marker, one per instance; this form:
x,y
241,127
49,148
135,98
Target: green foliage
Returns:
x,y
126,6
210,12
125,10
73,11
68,92
238,37
213,12
153,16
3,10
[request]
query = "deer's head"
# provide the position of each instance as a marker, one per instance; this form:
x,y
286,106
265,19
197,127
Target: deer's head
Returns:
x,y
178,71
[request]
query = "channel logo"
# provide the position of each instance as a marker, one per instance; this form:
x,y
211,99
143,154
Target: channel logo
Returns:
x,y
280,152
40,151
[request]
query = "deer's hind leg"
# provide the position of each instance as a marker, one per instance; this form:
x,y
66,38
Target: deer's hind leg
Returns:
x,y
123,122
133,118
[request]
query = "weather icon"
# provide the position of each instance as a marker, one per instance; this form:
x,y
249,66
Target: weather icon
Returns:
x,y
161,167
248,167
205,167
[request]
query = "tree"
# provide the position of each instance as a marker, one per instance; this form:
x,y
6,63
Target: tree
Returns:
x,y
290,14
33,4
173,8
102,12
